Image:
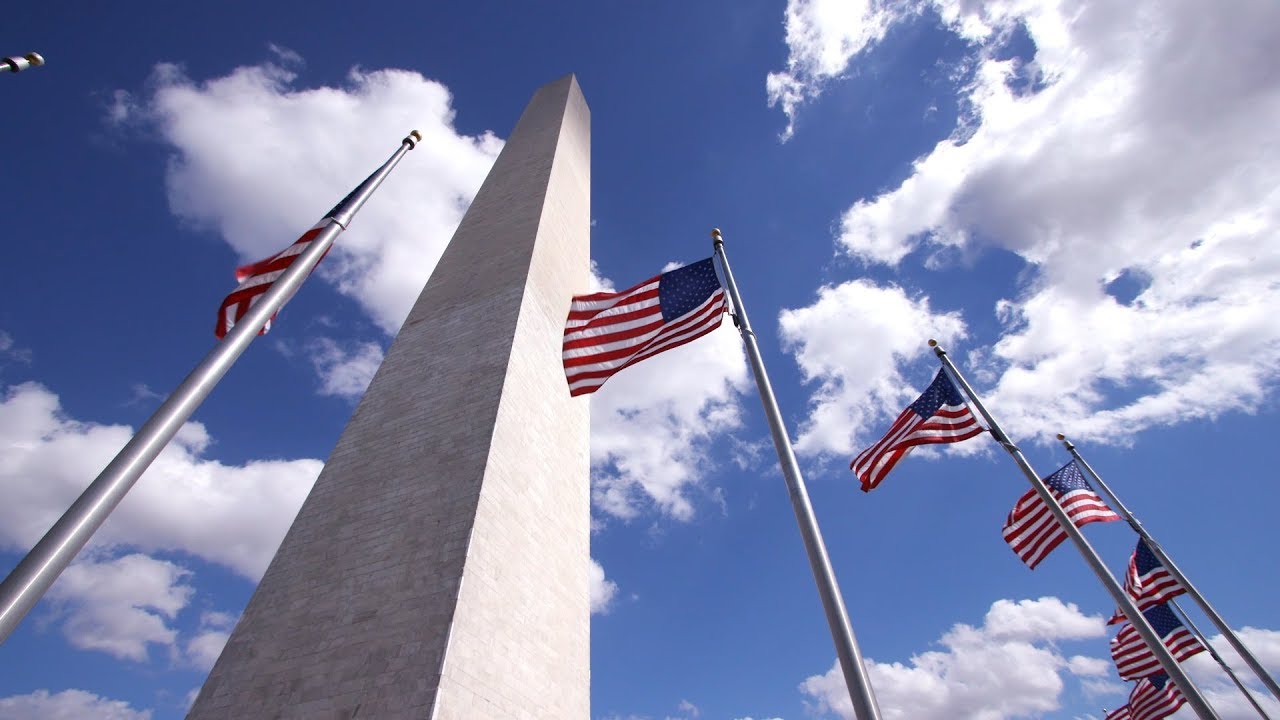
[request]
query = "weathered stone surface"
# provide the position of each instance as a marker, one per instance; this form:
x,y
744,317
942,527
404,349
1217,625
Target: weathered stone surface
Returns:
x,y
439,567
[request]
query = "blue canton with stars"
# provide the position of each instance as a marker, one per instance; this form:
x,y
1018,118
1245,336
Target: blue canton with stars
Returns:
x,y
1162,620
684,289
1145,560
1067,479
941,392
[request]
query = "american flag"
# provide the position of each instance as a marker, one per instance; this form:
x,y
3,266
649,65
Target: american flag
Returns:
x,y
606,332
1033,532
1147,581
1135,660
1121,713
1155,698
939,415
256,279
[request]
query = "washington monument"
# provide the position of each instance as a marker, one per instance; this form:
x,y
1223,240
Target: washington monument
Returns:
x,y
439,567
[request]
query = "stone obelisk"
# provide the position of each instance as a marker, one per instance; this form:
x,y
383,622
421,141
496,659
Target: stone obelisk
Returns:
x,y
439,567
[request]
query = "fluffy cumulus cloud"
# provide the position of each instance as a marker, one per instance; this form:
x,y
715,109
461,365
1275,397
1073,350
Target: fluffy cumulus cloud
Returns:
x,y
298,150
861,383
67,705
233,515
345,369
121,606
651,425
1009,667
822,35
202,649
603,590
1218,689
1136,174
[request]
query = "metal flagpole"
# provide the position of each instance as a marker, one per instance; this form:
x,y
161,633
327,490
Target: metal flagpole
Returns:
x,y
15,63
855,671
1158,551
1126,604
27,583
1186,620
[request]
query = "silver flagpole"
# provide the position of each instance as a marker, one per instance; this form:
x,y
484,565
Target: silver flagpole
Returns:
x,y
1186,620
1158,551
855,671
1126,604
17,63
28,582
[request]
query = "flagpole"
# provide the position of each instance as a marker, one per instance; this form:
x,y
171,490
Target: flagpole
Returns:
x,y
855,672
1186,620
29,581
1158,551
18,63
1126,604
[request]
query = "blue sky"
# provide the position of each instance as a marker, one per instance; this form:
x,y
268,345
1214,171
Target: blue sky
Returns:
x,y
1078,198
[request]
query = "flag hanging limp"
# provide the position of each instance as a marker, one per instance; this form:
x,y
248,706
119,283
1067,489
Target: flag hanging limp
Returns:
x,y
607,332
939,415
257,278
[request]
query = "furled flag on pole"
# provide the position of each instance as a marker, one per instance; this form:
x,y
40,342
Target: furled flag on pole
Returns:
x,y
1031,529
1135,660
939,415
609,331
1154,698
256,279
1147,581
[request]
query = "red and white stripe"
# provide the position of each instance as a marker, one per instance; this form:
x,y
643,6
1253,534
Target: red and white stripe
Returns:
x,y
1147,702
951,423
1135,660
607,332
1032,530
1120,713
257,278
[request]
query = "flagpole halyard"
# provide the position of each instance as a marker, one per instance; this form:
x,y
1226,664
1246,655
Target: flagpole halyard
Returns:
x,y
851,664
28,582
1173,569
1125,603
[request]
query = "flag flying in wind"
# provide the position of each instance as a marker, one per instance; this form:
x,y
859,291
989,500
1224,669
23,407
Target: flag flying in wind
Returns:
x,y
1031,529
1135,660
939,415
1121,713
608,331
1154,698
257,278
1147,581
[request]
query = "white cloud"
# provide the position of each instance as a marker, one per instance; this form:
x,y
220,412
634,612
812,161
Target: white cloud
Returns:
x,y
602,589
1144,152
651,424
232,515
121,606
344,369
1088,666
822,36
297,151
851,342
67,705
1218,689
203,648
1008,668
